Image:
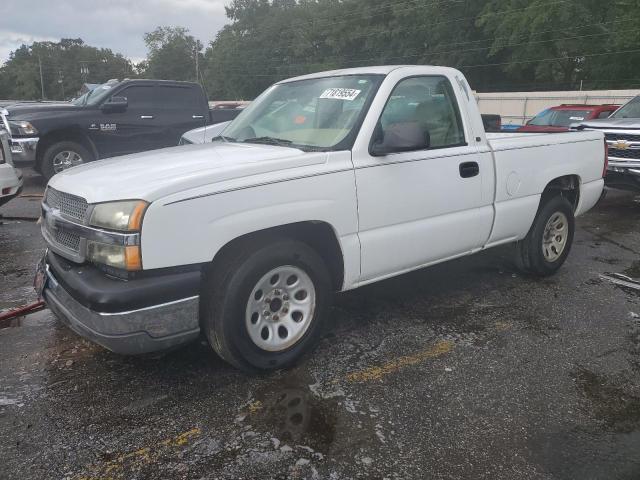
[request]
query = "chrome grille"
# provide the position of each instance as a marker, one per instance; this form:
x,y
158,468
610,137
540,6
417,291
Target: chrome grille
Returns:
x,y
622,136
67,239
69,205
617,153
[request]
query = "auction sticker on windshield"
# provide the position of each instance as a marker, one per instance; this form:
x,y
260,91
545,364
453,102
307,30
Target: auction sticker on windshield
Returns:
x,y
341,93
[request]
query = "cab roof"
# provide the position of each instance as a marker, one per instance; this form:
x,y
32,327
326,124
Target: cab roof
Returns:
x,y
375,70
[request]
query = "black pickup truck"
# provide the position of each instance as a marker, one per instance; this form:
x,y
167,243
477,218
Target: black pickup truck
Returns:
x,y
116,118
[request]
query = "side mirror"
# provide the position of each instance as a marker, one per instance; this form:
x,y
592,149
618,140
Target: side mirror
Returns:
x,y
399,137
115,104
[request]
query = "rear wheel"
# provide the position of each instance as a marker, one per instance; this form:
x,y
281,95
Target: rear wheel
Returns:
x,y
63,155
547,245
266,305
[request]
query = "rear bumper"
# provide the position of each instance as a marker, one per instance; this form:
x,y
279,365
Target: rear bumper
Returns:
x,y
150,328
10,183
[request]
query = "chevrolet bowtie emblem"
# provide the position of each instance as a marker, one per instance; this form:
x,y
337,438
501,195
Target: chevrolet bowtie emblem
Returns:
x,y
620,144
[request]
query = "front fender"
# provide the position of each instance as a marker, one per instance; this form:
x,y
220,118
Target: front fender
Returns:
x,y
194,230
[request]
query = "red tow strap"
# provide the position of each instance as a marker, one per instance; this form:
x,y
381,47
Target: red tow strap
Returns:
x,y
21,311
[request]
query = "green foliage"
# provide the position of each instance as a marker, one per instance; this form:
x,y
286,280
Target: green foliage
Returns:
x,y
172,54
66,65
499,44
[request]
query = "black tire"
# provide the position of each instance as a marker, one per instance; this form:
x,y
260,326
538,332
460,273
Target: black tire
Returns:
x,y
47,167
530,255
227,290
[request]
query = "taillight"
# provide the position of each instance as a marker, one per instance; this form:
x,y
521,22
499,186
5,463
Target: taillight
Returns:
x,y
606,159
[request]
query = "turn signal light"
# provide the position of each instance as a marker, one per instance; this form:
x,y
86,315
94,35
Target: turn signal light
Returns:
x,y
133,258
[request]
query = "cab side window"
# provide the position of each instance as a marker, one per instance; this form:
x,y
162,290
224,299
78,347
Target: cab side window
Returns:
x,y
430,105
139,97
605,114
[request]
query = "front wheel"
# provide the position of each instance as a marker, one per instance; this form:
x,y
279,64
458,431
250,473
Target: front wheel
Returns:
x,y
546,247
266,305
63,155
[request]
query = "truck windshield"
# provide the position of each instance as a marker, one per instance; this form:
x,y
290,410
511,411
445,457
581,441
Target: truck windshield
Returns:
x,y
630,110
95,96
315,114
559,118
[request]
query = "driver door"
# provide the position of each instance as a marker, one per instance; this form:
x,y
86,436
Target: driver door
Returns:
x,y
420,207
134,129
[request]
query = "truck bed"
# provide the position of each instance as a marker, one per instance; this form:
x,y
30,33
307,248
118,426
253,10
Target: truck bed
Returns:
x,y
524,163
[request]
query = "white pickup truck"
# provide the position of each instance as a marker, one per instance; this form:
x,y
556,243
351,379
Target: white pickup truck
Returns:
x,y
326,182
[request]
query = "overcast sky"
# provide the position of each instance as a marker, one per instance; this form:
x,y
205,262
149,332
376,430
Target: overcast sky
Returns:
x,y
115,24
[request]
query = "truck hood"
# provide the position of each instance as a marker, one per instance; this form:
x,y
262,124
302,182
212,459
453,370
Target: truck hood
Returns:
x,y
155,174
29,111
621,123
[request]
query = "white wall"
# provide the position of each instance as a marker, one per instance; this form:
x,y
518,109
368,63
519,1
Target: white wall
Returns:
x,y
518,107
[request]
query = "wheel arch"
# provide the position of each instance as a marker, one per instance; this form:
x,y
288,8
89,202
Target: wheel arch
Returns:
x,y
567,186
319,235
74,134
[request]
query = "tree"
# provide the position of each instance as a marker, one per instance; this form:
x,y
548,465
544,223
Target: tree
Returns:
x,y
549,43
65,66
172,54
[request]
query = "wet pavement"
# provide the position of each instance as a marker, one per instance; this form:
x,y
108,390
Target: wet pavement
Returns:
x,y
466,370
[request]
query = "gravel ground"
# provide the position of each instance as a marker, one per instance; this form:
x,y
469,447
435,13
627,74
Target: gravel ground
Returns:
x,y
466,370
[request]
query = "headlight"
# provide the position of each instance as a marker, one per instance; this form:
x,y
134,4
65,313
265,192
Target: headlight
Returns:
x,y
22,128
123,216
117,256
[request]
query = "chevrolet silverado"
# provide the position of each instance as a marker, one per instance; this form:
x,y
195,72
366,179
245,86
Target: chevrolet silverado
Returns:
x,y
325,183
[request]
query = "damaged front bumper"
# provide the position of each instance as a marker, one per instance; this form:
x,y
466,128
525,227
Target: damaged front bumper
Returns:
x,y
125,317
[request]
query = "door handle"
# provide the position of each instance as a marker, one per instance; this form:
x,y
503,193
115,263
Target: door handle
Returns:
x,y
146,117
469,169
197,116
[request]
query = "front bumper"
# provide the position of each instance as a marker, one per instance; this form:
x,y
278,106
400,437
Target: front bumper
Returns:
x,y
154,327
23,150
623,178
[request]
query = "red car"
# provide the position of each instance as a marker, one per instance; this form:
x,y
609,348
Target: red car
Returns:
x,y
559,119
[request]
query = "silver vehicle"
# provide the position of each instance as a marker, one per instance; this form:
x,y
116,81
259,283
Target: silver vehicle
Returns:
x,y
10,178
622,133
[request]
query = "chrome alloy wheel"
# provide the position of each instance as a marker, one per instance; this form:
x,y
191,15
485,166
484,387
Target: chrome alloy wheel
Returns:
x,y
66,159
280,308
554,239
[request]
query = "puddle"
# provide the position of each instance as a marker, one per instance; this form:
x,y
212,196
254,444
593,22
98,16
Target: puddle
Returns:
x,y
611,404
290,412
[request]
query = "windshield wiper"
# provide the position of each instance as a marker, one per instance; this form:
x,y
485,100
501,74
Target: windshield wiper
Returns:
x,y
223,138
269,141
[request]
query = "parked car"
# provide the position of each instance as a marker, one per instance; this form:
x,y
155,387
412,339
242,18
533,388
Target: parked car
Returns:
x,y
560,118
492,122
226,111
326,182
510,127
116,118
202,134
10,178
622,131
